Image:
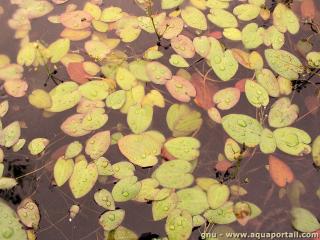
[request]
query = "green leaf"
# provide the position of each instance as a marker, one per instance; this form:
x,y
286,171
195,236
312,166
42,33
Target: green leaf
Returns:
x,y
283,113
112,219
218,194
123,169
174,174
162,208
104,199
98,144
139,118
169,4
256,94
194,18
125,79
268,81
221,215
63,170
303,220
73,149
193,200
179,225
122,233
183,148
95,90
293,141
10,226
37,145
116,99
126,189
242,128
182,120
252,36
284,63
10,134
222,18
83,178
284,19
142,149
268,142
58,49
246,12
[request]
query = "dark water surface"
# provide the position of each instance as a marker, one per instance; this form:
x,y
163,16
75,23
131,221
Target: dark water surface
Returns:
x,y
55,202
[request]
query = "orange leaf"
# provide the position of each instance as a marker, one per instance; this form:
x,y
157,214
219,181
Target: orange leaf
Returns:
x,y
307,8
241,85
215,34
205,91
77,73
223,166
280,172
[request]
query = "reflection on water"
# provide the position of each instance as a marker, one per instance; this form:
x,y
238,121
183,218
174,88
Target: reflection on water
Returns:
x,y
55,202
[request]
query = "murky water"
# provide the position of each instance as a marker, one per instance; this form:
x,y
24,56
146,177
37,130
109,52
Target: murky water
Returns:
x,y
55,202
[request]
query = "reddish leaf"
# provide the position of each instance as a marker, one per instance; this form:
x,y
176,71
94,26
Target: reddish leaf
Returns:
x,y
77,73
280,172
205,91
308,9
223,166
166,155
215,34
318,233
241,85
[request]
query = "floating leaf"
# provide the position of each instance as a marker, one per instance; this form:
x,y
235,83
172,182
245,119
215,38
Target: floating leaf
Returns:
x,y
10,134
283,113
232,150
183,46
268,142
73,149
7,183
76,20
293,141
96,49
27,54
83,178
98,144
174,174
268,81
161,208
193,200
64,96
181,89
218,194
280,172
37,145
221,215
139,118
222,18
313,59
158,73
124,233
178,61
284,19
227,98
58,49
246,12
63,170
95,90
123,169
40,99
16,88
104,166
223,63
126,189
112,219
104,199
303,220
308,8
28,213
141,149
194,18
256,94
252,36
184,148
72,126
168,4
272,37
182,120
10,226
284,63
111,14
179,225
242,128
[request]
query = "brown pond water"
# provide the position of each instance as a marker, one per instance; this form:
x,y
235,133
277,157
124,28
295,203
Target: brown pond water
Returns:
x,y
55,202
